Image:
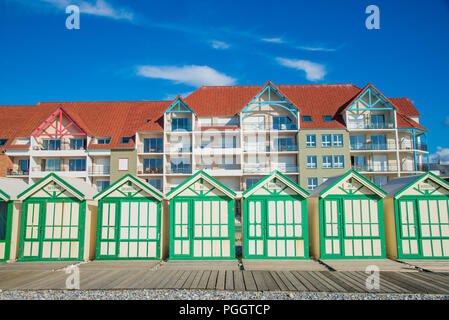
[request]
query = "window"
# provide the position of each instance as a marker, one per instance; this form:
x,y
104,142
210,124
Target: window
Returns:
x,y
359,163
152,165
312,183
283,123
157,183
328,118
180,165
311,162
102,184
310,141
307,118
104,140
378,121
358,142
205,122
125,140
123,164
3,142
24,165
326,140
327,162
153,145
182,124
77,164
76,144
251,181
50,165
339,162
337,140
379,142
284,144
380,180
51,144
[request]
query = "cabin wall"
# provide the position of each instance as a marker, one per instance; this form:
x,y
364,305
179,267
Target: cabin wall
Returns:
x,y
90,231
15,231
165,229
314,227
390,229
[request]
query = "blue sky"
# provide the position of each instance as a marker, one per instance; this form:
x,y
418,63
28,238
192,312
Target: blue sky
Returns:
x,y
153,50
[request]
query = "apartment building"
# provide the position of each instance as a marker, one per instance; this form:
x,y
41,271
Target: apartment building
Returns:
x,y
238,134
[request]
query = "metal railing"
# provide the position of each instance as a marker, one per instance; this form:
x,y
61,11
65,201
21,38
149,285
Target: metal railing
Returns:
x,y
149,170
268,169
100,170
64,146
220,167
373,146
12,172
180,149
370,125
269,126
376,168
143,149
184,169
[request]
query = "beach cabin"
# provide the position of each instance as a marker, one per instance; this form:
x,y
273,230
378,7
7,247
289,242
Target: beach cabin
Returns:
x,y
202,219
275,219
416,217
58,217
346,218
129,220
9,216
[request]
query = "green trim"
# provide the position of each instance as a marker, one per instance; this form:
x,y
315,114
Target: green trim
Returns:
x,y
289,182
263,200
358,175
7,241
150,189
5,196
41,229
52,176
187,183
423,177
116,239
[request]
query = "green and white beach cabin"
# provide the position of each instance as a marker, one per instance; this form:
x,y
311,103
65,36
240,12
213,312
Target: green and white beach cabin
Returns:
x,y
202,219
129,220
350,225
9,216
57,220
416,213
275,219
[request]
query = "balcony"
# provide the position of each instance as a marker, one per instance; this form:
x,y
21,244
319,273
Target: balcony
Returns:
x,y
221,169
254,126
146,149
420,167
175,149
38,172
17,173
99,170
261,169
143,170
373,146
180,169
218,150
376,168
59,149
285,148
368,125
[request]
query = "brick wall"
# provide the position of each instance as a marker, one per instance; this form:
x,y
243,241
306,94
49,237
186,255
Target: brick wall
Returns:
x,y
5,164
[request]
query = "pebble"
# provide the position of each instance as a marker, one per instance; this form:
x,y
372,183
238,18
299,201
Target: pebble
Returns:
x,y
172,294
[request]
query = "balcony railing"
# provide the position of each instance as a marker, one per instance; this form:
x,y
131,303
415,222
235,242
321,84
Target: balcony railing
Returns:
x,y
12,172
285,147
149,170
370,125
220,167
64,146
180,149
269,126
268,169
183,169
143,149
376,168
100,170
372,146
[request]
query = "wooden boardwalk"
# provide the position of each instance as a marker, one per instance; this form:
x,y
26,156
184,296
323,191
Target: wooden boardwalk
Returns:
x,y
239,280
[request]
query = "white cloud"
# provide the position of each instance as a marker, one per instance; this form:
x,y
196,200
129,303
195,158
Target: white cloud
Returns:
x,y
316,49
314,71
99,8
441,154
220,44
195,76
273,40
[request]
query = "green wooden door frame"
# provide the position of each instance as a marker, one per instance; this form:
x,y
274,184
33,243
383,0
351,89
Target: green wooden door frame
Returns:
x,y
341,221
264,210
7,241
117,202
191,210
42,215
399,238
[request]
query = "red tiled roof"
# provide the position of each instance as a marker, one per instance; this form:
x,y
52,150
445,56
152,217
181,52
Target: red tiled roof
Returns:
x,y
123,119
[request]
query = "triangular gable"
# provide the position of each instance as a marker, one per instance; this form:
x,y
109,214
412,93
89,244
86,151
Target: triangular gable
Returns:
x,y
275,184
4,196
57,125
130,187
179,106
426,185
51,186
201,184
369,97
274,97
352,183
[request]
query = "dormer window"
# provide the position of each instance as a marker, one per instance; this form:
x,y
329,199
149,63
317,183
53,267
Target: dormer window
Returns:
x,y
3,142
125,140
307,118
104,140
328,118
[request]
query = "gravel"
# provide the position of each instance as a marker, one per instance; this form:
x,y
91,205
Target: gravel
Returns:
x,y
200,295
